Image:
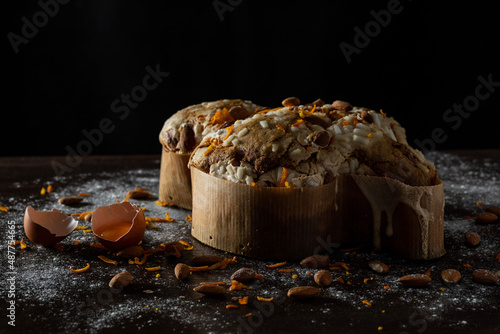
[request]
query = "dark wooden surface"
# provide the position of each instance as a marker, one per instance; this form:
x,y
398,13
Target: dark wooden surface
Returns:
x,y
49,298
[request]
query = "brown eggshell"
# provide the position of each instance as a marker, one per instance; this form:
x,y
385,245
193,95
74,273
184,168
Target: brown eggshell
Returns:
x,y
118,225
47,227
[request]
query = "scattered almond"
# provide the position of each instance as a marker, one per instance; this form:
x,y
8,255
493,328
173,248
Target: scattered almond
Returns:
x,y
136,194
210,289
206,260
415,280
303,292
121,280
486,218
70,200
131,252
451,275
243,275
321,138
494,209
484,276
472,238
181,271
342,105
323,278
290,102
315,261
378,267
238,112
174,248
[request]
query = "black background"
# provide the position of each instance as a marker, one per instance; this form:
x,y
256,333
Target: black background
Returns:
x,y
64,80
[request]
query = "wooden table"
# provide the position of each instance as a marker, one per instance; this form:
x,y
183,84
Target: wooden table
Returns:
x,y
50,298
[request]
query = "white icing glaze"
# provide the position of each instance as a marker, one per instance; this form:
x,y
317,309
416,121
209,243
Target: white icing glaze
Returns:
x,y
384,195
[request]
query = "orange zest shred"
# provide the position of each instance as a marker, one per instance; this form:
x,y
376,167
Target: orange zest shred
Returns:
x,y
58,247
268,110
313,109
248,314
279,127
243,301
286,270
229,131
231,306
467,265
298,123
284,175
338,265
221,116
158,220
345,123
49,188
79,227
224,263
107,260
22,243
15,243
366,302
77,242
276,265
186,245
428,272
83,194
262,299
214,283
341,280
153,268
81,270
89,230
3,208
189,218
387,287
202,268
141,262
164,203
235,285
209,150
480,203
43,191
367,279
383,113
261,278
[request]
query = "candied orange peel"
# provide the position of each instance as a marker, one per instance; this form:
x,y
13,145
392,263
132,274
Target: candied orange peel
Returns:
x,y
263,299
276,265
81,270
153,268
107,260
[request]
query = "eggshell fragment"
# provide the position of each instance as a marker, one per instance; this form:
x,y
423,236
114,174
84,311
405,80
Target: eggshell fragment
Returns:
x,y
118,225
47,227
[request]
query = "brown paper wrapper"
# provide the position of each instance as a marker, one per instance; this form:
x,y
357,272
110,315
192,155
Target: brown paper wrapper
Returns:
x,y
175,180
282,223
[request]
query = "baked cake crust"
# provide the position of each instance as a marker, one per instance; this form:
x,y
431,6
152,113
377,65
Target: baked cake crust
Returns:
x,y
184,130
309,145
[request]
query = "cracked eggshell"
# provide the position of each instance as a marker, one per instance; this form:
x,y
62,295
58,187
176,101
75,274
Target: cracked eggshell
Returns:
x,y
47,228
118,225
